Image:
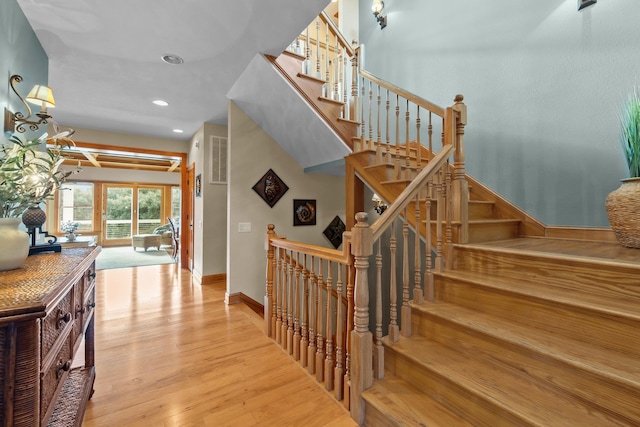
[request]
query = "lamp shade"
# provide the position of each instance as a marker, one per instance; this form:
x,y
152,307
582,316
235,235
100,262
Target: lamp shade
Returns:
x,y
41,95
377,6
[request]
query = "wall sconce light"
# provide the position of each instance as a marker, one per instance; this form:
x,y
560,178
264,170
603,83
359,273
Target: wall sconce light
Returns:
x,y
39,95
584,3
377,7
378,204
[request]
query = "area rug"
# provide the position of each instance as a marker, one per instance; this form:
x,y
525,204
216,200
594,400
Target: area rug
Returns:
x,y
126,256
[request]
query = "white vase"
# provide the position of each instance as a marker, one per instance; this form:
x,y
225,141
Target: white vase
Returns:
x,y
71,237
14,244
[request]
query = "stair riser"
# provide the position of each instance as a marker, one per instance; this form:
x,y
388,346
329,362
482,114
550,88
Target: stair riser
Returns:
x,y
374,418
579,323
456,398
479,233
569,274
587,385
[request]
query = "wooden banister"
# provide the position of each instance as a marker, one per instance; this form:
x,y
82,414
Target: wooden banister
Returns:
x,y
336,32
408,194
436,109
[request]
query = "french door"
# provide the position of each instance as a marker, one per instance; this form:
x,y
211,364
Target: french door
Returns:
x,y
129,210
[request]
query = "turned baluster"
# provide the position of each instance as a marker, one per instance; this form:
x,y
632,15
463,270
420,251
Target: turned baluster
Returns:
x,y
397,157
418,142
304,342
319,325
387,138
407,149
418,296
296,310
394,329
349,321
318,74
340,322
328,360
311,361
428,286
337,55
279,286
440,204
378,349
370,144
378,137
405,310
290,299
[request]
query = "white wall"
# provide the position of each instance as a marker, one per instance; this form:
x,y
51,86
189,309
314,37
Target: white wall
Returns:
x,y
543,84
252,154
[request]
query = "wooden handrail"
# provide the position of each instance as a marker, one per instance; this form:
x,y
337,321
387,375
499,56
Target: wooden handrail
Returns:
x,y
436,109
335,31
408,194
318,251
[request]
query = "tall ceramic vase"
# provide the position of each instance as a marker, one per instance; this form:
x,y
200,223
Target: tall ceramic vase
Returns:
x,y
14,244
623,209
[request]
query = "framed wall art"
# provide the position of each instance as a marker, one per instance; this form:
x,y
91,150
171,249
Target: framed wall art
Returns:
x,y
199,185
304,212
270,188
334,231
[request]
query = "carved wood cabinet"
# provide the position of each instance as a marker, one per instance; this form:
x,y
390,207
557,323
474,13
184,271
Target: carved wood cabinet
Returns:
x,y
46,315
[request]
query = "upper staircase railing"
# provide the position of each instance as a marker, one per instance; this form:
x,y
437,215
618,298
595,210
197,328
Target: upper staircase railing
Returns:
x,y
318,300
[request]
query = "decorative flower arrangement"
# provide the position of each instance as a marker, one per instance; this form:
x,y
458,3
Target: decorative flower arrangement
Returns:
x,y
28,174
69,226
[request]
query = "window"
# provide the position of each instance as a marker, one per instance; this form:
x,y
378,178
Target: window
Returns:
x,y
175,203
76,204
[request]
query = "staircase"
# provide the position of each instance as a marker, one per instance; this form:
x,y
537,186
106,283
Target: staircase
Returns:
x,y
521,329
521,338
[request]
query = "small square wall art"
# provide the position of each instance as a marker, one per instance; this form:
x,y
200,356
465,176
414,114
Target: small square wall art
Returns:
x,y
304,212
270,188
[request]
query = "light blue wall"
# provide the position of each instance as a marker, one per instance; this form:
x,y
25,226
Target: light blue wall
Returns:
x,y
20,53
543,84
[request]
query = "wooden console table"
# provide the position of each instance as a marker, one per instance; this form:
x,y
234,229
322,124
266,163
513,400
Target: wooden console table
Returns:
x,y
46,309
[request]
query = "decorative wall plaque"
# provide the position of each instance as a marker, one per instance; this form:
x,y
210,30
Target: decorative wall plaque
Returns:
x,y
270,187
304,212
334,231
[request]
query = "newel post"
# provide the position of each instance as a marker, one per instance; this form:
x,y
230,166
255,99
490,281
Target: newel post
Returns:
x,y
459,186
361,337
269,301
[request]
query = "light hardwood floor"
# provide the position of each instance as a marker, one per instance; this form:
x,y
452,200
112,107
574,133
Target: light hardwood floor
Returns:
x,y
171,353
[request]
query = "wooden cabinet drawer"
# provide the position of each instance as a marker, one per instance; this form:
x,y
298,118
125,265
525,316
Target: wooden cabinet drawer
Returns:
x,y
53,378
54,324
84,305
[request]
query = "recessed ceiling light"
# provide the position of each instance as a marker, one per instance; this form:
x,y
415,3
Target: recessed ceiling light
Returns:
x,y
178,130
160,102
172,59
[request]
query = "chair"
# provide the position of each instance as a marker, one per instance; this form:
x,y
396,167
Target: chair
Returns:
x,y
175,235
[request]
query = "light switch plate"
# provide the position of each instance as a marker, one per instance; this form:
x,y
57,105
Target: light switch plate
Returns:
x,y
244,227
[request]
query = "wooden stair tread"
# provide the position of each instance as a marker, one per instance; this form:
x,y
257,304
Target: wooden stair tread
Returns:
x,y
310,77
484,221
551,255
330,101
403,404
615,305
505,388
619,367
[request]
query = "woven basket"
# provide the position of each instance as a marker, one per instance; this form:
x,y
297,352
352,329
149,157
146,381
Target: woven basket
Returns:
x,y
623,209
